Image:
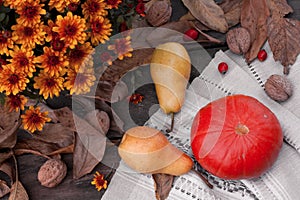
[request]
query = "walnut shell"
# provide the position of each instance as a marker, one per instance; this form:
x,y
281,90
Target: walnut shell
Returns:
x,y
159,13
278,87
238,40
52,172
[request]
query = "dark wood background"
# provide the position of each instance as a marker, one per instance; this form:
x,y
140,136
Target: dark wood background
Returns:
x,y
82,189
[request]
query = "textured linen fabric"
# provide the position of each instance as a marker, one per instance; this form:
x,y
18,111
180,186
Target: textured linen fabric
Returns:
x,y
280,182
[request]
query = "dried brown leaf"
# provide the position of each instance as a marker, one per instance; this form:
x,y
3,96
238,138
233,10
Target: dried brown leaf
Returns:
x,y
8,169
65,117
284,40
5,155
279,7
254,15
209,13
4,189
9,123
99,120
163,185
18,192
232,11
89,148
113,73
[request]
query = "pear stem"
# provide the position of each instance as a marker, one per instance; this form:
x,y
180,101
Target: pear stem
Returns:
x,y
172,123
203,179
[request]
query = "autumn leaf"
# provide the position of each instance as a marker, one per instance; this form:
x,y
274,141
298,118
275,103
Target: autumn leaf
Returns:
x,y
232,11
254,15
18,192
6,168
9,123
4,189
99,120
209,13
113,73
89,148
163,185
284,40
65,117
279,7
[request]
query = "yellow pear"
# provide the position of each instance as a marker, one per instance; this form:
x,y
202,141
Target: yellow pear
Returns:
x,y
170,70
147,150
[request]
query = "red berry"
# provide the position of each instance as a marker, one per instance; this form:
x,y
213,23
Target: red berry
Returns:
x,y
191,34
223,67
262,55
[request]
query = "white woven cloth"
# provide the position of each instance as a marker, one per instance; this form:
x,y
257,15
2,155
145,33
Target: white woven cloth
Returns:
x,y
281,182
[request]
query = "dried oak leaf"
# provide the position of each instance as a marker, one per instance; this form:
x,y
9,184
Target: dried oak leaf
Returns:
x,y
4,189
254,15
18,192
209,13
163,185
284,40
279,7
65,117
113,73
89,148
9,124
232,11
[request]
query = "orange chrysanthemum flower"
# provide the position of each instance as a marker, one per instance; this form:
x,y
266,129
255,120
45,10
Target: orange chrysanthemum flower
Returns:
x,y
93,8
34,119
50,35
122,47
12,3
77,55
48,85
106,57
53,62
15,102
30,12
71,29
12,80
59,5
99,181
6,42
80,82
22,59
100,30
110,4
29,36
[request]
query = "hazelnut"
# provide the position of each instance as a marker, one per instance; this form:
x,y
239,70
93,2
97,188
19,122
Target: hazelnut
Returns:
x,y
278,87
238,40
159,13
52,172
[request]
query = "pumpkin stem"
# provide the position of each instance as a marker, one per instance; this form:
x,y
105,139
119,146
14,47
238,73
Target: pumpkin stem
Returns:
x,y
241,129
172,123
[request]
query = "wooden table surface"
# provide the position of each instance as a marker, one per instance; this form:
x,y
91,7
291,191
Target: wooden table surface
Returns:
x,y
81,189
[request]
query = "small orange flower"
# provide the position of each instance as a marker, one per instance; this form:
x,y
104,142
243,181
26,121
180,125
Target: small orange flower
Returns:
x,y
81,81
12,3
12,80
29,36
77,55
48,85
136,98
71,29
110,4
59,5
34,119
53,62
93,8
122,47
16,102
22,59
30,12
99,181
100,30
50,35
106,57
5,43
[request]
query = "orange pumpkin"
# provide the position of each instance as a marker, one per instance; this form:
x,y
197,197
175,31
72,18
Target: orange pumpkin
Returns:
x,y
236,137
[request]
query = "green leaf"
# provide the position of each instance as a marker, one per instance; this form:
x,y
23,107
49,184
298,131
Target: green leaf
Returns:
x,y
2,16
4,9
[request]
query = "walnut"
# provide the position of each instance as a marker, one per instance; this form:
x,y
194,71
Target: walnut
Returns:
x,y
238,40
52,172
278,87
159,13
